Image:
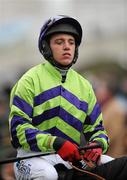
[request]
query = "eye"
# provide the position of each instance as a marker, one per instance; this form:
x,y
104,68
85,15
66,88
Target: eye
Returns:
x,y
59,41
71,42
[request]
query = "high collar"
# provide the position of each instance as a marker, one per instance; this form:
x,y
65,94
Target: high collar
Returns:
x,y
56,72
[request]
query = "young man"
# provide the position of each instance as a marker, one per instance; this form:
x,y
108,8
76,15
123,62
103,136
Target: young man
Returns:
x,y
53,108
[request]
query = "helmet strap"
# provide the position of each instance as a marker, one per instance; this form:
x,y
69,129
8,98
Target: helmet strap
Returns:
x,y
47,53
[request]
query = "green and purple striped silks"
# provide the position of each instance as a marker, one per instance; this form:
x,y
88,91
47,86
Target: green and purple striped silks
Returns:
x,y
43,108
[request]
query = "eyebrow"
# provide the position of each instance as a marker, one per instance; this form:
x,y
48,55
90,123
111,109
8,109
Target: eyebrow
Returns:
x,y
70,39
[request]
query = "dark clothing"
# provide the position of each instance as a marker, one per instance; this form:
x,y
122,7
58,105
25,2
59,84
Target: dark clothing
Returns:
x,y
113,170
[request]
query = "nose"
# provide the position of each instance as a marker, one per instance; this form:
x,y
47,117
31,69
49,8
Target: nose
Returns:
x,y
66,46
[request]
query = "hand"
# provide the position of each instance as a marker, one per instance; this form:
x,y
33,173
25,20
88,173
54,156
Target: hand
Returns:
x,y
93,154
67,150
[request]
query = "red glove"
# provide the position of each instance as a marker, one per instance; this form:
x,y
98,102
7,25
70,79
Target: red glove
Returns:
x,y
67,150
93,154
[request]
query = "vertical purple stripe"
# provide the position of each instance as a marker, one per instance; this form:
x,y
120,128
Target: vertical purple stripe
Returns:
x,y
15,121
30,133
15,140
23,105
31,138
95,113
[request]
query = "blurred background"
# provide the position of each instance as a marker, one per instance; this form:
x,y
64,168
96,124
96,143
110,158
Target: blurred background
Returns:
x,y
102,57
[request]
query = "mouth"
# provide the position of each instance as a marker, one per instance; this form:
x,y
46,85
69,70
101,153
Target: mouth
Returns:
x,y
67,55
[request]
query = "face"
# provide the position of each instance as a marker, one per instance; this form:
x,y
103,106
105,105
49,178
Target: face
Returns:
x,y
63,48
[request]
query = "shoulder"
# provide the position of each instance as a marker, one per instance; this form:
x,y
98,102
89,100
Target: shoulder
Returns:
x,y
35,70
29,77
82,80
32,73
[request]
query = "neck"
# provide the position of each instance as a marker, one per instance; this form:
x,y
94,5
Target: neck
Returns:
x,y
63,73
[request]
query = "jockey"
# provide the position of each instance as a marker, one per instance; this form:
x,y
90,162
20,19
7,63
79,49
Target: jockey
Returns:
x,y
52,105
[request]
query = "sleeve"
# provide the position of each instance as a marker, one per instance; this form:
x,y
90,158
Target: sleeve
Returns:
x,y
23,133
93,127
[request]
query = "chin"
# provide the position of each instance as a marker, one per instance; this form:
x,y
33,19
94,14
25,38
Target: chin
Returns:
x,y
66,63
